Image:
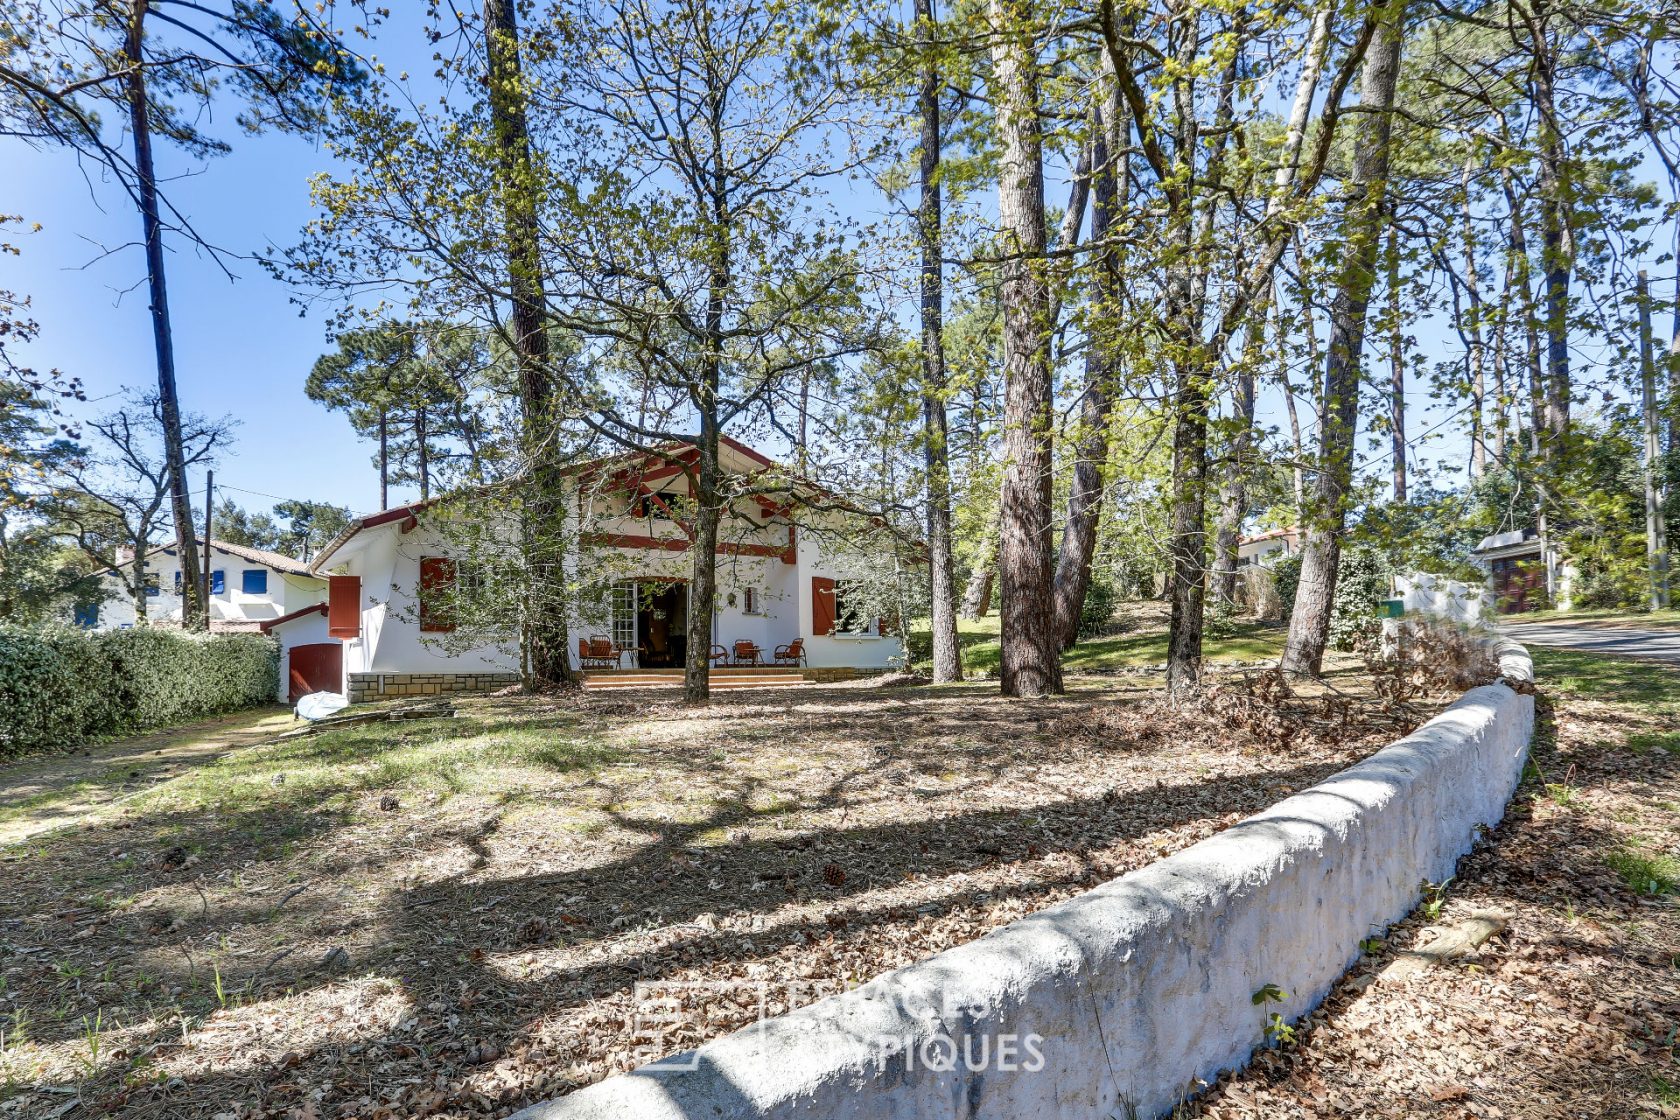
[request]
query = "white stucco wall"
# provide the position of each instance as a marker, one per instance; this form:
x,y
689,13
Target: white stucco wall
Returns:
x,y
286,593
1137,987
1440,597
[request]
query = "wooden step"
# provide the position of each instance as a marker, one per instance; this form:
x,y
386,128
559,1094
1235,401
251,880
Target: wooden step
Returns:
x,y
603,682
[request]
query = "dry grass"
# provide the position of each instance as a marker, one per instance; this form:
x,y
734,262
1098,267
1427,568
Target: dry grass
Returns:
x,y
448,918
1574,1010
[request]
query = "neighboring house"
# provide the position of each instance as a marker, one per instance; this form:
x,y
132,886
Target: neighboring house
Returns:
x,y
1520,567
248,586
784,573
1268,548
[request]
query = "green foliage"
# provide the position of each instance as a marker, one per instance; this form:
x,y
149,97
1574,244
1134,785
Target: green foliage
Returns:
x,y
1098,609
1362,581
1286,574
58,687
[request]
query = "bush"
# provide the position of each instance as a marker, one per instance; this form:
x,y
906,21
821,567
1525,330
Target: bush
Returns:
x,y
58,687
1362,577
1098,609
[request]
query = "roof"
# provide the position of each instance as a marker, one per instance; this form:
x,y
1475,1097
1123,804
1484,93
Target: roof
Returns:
x,y
403,513
280,562
1516,538
1272,534
268,624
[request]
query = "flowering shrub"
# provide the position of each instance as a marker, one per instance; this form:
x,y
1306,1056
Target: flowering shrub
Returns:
x,y
58,687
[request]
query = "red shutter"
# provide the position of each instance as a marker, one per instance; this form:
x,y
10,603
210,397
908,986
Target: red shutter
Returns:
x,y
344,606
822,606
436,573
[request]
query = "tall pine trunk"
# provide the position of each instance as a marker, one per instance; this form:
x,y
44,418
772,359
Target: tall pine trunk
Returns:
x,y
1233,497
544,631
947,654
195,613
1030,653
1110,189
1363,219
1396,368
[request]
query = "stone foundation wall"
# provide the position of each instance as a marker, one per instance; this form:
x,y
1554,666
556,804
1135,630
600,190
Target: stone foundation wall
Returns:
x,y
367,687
830,676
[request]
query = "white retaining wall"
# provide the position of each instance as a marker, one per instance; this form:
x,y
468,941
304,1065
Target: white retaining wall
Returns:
x,y
1136,989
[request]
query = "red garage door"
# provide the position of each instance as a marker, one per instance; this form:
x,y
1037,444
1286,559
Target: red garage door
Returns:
x,y
315,668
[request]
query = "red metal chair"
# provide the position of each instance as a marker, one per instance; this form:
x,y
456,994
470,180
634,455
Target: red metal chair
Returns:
x,y
720,656
791,654
746,653
597,653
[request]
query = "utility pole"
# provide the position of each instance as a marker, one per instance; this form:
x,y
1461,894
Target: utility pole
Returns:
x,y
209,512
1656,532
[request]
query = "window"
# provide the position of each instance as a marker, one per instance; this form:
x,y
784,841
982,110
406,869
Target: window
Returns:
x,y
849,607
624,614
749,600
218,582
652,506
153,585
437,586
254,581
177,581
87,615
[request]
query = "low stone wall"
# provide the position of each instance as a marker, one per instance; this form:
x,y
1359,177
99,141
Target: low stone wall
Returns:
x,y
835,675
367,687
1125,997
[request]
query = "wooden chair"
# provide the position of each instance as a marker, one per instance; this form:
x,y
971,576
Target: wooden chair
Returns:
x,y
597,653
746,653
791,654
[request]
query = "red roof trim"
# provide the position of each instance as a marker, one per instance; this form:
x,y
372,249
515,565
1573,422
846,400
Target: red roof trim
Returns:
x,y
268,625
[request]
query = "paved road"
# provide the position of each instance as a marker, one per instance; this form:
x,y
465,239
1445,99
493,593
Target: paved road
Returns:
x,y
1658,645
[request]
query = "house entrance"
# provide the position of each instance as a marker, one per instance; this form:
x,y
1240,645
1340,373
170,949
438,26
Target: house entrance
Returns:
x,y
662,624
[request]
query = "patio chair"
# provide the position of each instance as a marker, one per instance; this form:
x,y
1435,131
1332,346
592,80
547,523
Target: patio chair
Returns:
x,y
720,656
596,653
746,653
791,654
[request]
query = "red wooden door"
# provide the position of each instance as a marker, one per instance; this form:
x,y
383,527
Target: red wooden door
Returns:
x,y
315,668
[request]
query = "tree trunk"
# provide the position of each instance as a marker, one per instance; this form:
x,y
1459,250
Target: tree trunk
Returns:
x,y
1233,497
138,577
421,452
1111,182
977,596
1030,653
1309,625
1557,238
1473,332
702,573
194,612
947,654
384,461
544,628
1396,368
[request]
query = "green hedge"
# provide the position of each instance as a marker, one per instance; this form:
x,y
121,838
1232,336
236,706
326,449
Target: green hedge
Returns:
x,y
58,687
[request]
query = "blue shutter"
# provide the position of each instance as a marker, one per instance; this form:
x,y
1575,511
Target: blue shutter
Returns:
x,y
87,615
177,581
254,581
218,582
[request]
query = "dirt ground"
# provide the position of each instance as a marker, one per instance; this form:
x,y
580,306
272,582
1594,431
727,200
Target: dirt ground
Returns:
x,y
1574,1010
450,917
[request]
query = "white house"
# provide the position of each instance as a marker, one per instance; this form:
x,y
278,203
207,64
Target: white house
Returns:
x,y
1268,547
248,586
788,570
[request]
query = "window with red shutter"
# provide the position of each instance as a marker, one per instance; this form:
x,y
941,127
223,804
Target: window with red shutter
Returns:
x,y
437,580
344,606
822,606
